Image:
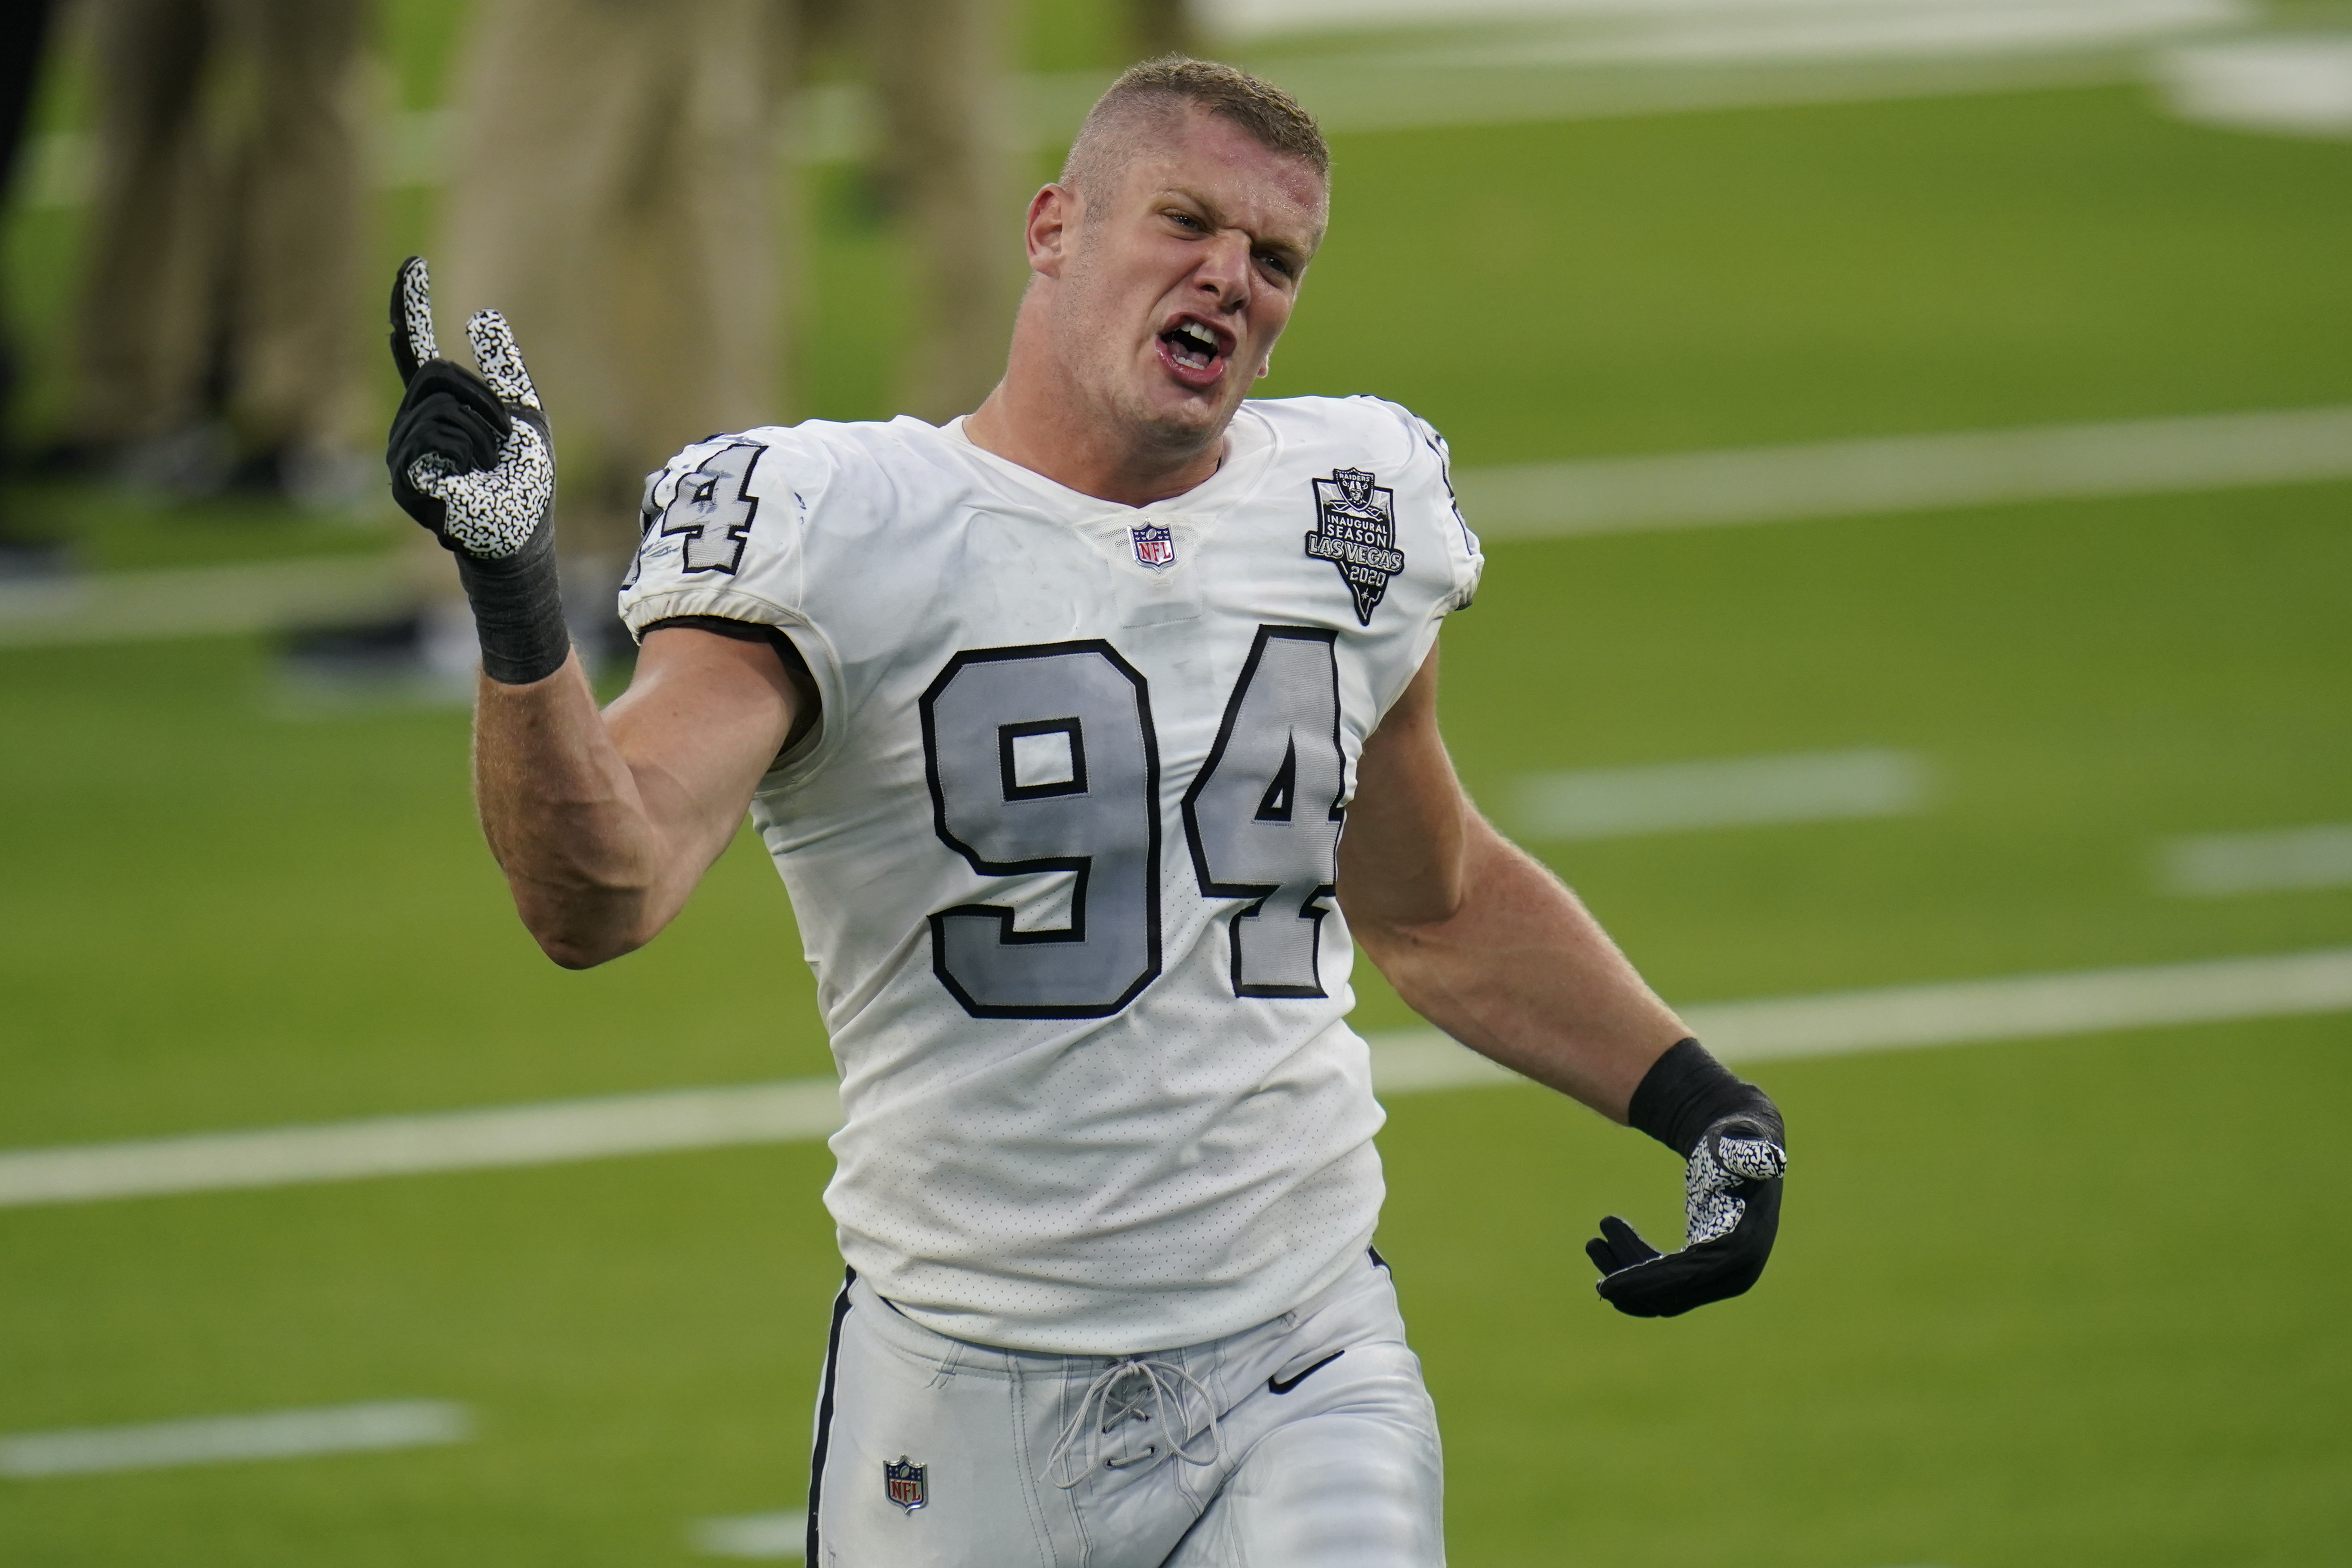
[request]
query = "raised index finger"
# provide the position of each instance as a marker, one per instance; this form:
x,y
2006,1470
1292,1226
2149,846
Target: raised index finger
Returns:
x,y
412,319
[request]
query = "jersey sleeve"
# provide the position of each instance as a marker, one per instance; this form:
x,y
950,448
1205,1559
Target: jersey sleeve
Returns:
x,y
1441,555
1462,554
719,533
724,532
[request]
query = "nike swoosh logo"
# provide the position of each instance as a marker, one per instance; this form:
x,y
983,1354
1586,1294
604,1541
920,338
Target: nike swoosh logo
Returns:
x,y
1275,1384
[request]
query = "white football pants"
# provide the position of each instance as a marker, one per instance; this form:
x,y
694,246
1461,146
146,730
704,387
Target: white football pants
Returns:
x,y
1306,1442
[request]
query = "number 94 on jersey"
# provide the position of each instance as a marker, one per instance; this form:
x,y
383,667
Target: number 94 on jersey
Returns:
x,y
1043,758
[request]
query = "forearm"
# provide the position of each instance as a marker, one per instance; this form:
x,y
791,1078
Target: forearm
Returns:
x,y
1519,971
566,818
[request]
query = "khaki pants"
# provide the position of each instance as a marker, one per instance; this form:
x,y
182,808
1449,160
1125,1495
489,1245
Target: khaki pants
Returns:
x,y
615,193
225,227
947,159
616,197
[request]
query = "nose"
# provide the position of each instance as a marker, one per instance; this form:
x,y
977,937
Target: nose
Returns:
x,y
1224,271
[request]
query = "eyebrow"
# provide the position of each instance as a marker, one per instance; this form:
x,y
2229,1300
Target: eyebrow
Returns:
x,y
1288,249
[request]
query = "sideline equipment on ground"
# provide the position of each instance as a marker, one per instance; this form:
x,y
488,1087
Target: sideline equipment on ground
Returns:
x,y
471,459
1731,1133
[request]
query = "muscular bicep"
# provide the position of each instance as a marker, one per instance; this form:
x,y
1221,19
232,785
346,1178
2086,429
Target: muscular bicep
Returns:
x,y
704,718
1401,859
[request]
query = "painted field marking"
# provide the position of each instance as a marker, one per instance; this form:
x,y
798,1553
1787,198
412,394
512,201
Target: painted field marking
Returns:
x,y
230,1439
1866,32
1965,1012
2216,865
2027,1006
1836,27
1402,90
2285,85
1908,473
758,1535
1532,501
1730,792
1900,1017
551,1133
199,601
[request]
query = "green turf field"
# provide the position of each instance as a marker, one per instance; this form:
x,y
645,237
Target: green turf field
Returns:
x,y
2044,1304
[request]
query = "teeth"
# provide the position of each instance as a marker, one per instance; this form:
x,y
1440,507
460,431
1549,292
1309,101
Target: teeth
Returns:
x,y
1192,344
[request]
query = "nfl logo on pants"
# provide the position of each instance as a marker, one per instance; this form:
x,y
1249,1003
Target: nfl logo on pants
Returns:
x,y
908,1485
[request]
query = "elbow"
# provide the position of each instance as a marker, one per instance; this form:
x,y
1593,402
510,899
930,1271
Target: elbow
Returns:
x,y
582,950
581,933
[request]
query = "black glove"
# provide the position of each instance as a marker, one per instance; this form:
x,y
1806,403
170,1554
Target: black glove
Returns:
x,y
1731,1134
471,459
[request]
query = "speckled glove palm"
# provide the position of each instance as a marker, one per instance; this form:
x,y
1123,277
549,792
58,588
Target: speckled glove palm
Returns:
x,y
471,459
1731,1135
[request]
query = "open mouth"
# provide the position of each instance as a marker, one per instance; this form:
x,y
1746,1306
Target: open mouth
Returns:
x,y
1192,350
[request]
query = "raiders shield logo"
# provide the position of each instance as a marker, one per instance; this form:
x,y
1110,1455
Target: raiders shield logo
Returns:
x,y
1155,546
1355,531
908,1485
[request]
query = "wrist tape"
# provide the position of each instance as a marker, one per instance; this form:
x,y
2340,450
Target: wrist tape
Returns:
x,y
518,611
1686,1091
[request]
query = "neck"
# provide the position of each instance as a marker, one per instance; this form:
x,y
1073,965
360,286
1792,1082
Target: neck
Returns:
x,y
1038,418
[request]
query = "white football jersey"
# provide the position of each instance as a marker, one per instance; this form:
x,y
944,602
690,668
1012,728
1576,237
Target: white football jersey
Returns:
x,y
1063,845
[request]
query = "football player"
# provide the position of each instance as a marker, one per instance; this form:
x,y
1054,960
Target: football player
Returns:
x,y
1091,732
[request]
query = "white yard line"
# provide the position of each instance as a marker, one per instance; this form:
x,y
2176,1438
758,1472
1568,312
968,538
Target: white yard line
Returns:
x,y
227,1439
756,1535
1733,792
1890,1019
1967,1012
1533,500
1411,92
2028,1006
2217,865
1909,473
199,601
2286,86
1782,25
547,1134
1872,30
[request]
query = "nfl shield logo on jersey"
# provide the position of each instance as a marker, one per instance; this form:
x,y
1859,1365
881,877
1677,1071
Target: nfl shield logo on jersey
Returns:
x,y
1355,531
1155,546
906,1484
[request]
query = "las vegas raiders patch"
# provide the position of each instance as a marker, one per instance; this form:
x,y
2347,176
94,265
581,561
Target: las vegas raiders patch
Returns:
x,y
1355,531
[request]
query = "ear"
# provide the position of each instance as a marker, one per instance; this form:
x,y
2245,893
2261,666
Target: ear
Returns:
x,y
1054,213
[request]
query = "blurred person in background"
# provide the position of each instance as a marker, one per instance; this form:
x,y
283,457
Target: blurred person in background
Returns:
x,y
23,32
618,199
947,166
1156,27
217,303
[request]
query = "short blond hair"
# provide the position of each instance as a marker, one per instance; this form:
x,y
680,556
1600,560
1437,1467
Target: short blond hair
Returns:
x,y
1169,85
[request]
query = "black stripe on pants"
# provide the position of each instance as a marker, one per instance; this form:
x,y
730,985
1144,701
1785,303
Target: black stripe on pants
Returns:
x,y
825,1410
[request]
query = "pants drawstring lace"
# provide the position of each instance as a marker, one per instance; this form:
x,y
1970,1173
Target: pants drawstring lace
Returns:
x,y
1135,1390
